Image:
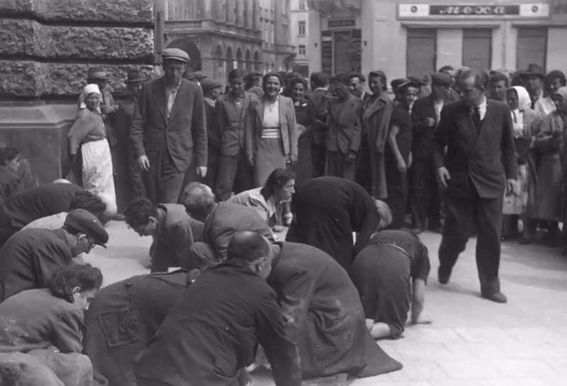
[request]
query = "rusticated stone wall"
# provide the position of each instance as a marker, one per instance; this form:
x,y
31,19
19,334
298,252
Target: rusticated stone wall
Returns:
x,y
48,45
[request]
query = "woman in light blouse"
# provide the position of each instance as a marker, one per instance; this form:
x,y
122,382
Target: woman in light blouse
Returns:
x,y
271,134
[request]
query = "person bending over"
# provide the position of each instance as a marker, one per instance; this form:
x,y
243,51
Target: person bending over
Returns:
x,y
31,256
390,273
42,329
171,228
272,200
237,310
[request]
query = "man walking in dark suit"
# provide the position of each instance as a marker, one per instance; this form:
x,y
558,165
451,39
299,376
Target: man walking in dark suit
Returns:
x,y
425,200
168,127
479,166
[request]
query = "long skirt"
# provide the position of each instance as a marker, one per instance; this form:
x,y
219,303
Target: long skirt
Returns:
x,y
269,157
97,172
548,194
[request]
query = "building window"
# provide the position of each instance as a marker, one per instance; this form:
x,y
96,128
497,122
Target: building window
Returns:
x,y
301,49
477,48
421,51
302,5
301,28
531,48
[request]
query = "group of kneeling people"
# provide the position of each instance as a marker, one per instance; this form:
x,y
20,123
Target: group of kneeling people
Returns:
x,y
314,315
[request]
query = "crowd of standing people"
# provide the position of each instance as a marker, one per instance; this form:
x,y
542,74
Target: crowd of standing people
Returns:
x,y
216,175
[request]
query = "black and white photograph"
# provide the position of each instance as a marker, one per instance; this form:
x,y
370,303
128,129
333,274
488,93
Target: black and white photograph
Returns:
x,y
283,192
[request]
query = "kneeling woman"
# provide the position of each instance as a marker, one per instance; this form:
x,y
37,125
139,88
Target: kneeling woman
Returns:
x,y
87,140
272,201
42,329
390,273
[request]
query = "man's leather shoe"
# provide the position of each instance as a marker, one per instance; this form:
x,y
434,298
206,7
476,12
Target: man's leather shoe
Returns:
x,y
497,297
443,275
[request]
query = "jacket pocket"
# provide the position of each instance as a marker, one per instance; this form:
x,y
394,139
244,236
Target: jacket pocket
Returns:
x,y
120,327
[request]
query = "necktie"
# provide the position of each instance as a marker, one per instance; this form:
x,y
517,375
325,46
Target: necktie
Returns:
x,y
476,117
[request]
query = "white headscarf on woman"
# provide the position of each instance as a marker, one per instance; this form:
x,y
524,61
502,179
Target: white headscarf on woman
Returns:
x,y
88,89
524,103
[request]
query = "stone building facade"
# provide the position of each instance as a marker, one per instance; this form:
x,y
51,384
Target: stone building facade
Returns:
x,y
47,48
220,35
299,25
404,37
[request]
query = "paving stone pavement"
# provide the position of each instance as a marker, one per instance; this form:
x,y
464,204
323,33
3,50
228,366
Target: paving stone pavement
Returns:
x,y
471,341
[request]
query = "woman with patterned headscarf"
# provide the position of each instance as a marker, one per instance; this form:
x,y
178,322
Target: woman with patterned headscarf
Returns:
x,y
521,201
87,137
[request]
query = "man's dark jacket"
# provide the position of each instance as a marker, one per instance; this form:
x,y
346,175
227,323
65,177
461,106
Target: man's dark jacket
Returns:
x,y
211,333
477,158
29,258
183,134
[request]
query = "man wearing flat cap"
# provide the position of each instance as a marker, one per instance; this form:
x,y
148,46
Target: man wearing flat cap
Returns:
x,y
425,197
168,130
29,257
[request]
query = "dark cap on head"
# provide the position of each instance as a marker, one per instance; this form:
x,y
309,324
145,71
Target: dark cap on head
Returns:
x,y
209,84
135,76
83,221
533,70
175,54
395,83
408,83
441,79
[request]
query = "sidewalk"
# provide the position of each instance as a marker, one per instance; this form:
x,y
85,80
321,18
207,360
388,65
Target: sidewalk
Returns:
x,y
471,341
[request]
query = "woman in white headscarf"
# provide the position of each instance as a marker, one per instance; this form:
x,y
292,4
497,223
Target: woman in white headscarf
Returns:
x,y
87,137
521,201
547,147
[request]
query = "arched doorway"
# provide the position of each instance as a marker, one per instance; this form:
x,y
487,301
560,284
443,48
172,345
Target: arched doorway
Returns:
x,y
239,59
248,63
190,47
229,62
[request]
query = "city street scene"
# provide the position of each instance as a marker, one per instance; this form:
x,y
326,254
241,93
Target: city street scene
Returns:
x,y
283,192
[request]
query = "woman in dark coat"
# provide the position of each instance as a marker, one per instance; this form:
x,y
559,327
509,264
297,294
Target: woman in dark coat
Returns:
x,y
390,274
325,314
327,210
305,117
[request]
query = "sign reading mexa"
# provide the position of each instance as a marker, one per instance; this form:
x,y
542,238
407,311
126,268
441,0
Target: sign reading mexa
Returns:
x,y
408,11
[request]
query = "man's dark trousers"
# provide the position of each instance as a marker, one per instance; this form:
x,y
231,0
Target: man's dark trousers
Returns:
x,y
425,198
463,216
